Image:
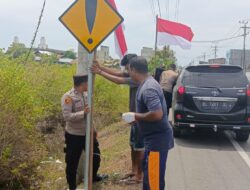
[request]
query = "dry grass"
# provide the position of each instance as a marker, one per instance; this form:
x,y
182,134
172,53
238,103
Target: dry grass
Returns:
x,y
114,144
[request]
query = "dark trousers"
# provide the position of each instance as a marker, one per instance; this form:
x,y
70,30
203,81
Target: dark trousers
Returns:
x,y
74,147
154,168
168,97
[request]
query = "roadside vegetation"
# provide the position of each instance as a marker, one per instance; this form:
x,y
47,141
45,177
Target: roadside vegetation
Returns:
x,y
30,110
32,128
163,58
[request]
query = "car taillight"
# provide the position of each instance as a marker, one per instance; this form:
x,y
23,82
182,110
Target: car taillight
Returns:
x,y
178,116
248,90
181,90
214,66
248,119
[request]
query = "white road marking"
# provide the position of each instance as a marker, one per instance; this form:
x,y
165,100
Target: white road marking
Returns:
x,y
239,149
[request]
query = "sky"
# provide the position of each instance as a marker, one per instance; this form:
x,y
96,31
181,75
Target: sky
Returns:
x,y
209,20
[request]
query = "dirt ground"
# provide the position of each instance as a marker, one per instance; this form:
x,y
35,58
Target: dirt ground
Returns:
x,y
116,161
115,150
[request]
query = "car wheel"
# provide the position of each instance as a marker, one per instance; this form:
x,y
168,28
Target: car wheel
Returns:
x,y
242,136
177,132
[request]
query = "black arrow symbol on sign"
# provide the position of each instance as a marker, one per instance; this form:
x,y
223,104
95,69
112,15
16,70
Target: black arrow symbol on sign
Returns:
x,y
91,7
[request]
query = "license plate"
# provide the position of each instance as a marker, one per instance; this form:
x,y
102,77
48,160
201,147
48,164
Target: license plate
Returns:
x,y
223,106
210,105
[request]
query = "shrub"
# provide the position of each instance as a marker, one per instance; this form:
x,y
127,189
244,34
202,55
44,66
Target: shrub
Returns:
x,y
31,93
110,101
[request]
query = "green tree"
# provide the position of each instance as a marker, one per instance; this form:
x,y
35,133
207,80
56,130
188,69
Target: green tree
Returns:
x,y
17,50
48,59
31,94
1,52
69,54
163,57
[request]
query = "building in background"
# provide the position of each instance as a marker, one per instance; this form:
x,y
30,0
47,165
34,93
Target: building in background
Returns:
x,y
217,61
16,40
103,54
203,62
147,53
235,57
43,44
66,61
16,48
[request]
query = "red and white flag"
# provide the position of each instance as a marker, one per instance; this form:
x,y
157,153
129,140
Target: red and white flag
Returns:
x,y
173,33
120,41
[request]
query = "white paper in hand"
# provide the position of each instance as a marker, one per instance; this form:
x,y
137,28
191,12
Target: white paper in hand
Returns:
x,y
128,117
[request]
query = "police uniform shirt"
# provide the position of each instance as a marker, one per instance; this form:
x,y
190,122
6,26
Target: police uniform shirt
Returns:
x,y
73,104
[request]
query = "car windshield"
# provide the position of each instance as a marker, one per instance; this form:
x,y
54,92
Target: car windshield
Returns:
x,y
212,77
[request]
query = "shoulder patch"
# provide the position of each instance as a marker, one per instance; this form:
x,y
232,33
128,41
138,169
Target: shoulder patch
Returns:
x,y
68,100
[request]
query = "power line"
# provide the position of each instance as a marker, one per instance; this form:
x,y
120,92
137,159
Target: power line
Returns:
x,y
175,14
216,41
215,48
167,8
152,9
230,43
36,31
207,54
234,33
177,6
153,4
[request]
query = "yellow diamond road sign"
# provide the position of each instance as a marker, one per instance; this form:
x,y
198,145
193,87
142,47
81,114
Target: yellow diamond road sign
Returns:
x,y
91,22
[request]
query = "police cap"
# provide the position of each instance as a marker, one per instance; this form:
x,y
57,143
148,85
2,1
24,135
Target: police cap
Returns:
x,y
80,78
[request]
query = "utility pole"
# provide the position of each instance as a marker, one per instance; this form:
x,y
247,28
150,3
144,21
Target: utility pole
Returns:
x,y
204,56
215,51
192,62
244,27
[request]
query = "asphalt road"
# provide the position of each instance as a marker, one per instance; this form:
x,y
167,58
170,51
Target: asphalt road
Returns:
x,y
208,161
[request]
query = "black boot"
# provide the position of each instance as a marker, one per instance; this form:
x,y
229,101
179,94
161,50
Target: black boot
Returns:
x,y
99,178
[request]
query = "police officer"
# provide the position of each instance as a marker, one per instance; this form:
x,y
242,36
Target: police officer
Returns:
x,y
75,110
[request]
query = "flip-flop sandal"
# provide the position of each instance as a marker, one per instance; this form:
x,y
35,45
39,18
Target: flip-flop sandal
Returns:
x,y
126,180
133,182
130,181
128,176
133,179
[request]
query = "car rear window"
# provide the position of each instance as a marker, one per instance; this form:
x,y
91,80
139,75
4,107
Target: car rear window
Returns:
x,y
212,76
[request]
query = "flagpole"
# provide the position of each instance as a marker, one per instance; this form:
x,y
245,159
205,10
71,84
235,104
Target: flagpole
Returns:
x,y
156,35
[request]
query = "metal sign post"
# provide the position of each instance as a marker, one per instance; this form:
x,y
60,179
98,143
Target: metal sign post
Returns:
x,y
88,169
90,22
84,59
